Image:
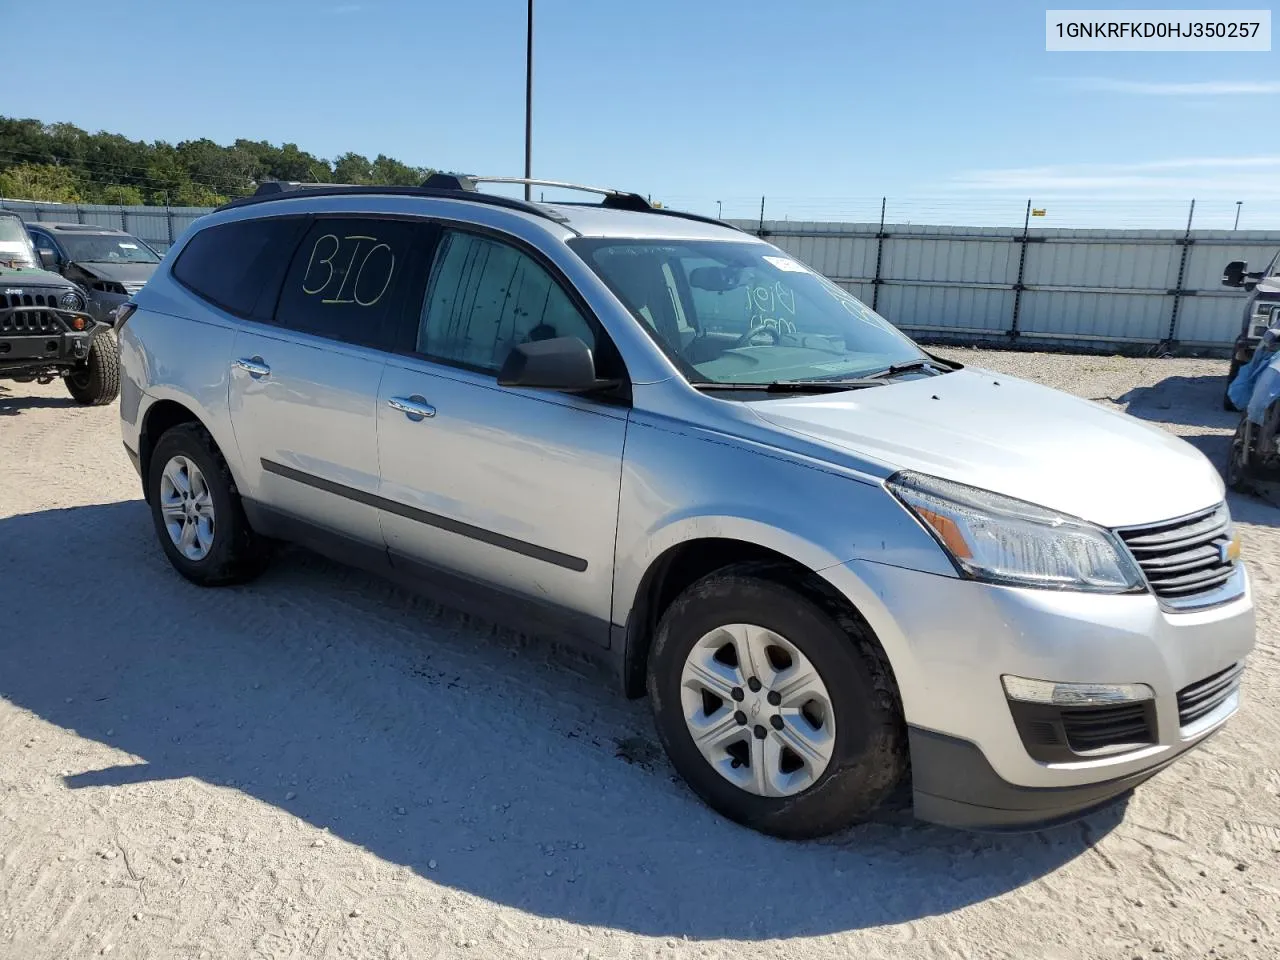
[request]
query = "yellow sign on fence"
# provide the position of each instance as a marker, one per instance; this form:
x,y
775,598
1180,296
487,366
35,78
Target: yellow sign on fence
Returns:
x,y
1037,212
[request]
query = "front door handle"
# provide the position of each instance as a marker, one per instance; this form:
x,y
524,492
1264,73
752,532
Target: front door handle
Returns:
x,y
255,367
415,408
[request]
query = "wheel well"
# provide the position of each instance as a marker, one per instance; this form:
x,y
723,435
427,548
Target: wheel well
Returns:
x,y
685,564
163,416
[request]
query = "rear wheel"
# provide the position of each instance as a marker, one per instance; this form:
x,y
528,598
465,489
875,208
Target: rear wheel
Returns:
x,y
1238,458
196,508
97,382
1231,375
779,712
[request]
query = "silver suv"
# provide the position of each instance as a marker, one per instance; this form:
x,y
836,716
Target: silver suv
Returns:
x,y
827,556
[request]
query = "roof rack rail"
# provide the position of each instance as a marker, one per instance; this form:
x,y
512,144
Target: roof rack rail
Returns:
x,y
271,190
613,199
450,185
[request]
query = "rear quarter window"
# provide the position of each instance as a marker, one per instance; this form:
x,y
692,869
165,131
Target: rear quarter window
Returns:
x,y
239,266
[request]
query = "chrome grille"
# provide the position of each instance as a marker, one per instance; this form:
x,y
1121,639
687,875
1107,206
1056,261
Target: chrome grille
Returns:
x,y
1185,557
1200,699
28,322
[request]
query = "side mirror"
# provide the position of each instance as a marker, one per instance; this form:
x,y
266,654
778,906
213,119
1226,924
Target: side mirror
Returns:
x,y
1233,273
48,258
561,363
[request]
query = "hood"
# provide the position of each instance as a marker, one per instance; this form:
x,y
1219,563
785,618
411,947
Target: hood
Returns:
x,y
32,277
130,274
1016,438
1268,288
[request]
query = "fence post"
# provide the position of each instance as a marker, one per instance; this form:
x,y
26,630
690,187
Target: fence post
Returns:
x,y
875,283
124,223
168,223
1022,266
760,229
1177,292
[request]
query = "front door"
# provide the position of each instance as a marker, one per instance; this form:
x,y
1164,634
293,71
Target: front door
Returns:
x,y
516,489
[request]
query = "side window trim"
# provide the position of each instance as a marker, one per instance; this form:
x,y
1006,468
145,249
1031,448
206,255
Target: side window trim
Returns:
x,y
408,345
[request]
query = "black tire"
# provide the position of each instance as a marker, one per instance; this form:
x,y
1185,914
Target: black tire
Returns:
x,y
869,755
1237,457
1231,375
238,554
97,382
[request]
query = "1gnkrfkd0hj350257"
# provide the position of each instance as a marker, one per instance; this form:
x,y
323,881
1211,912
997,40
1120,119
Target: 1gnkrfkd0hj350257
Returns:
x,y
826,555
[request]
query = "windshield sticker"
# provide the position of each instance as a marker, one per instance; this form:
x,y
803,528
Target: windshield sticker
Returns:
x,y
786,264
128,246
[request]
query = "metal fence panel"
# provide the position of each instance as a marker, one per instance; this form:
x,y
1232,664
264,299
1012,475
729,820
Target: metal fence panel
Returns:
x,y
945,309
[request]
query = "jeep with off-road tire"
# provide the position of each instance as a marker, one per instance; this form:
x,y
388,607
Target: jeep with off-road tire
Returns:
x,y
45,332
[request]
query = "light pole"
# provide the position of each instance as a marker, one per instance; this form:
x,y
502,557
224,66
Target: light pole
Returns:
x,y
528,103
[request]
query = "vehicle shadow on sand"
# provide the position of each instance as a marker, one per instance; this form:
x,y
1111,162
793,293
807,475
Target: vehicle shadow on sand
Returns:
x,y
438,744
1189,401
12,404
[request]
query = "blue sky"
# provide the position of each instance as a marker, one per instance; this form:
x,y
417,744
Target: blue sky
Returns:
x,y
954,110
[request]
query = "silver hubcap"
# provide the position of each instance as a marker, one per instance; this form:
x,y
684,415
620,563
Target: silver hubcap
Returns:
x,y
757,710
187,508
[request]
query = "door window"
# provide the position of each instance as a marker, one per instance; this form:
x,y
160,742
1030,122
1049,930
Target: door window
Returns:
x,y
237,266
485,297
349,279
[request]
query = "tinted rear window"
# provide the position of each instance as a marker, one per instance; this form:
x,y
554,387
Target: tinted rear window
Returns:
x,y
238,266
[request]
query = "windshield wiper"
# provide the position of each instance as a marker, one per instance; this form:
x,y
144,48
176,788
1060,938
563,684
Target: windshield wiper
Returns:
x,y
907,366
790,386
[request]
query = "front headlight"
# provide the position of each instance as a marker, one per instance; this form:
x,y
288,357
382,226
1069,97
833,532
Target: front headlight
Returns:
x,y
71,300
1001,540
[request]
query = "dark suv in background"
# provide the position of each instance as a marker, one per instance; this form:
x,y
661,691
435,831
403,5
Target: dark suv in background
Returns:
x,y
1263,287
45,331
110,265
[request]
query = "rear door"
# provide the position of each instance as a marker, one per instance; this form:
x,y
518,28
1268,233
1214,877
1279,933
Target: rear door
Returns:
x,y
515,489
304,387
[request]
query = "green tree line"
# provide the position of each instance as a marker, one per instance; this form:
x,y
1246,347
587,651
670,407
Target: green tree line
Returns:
x,y
60,162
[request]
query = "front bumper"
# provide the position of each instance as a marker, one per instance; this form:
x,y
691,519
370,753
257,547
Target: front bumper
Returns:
x,y
950,640
31,344
32,353
954,785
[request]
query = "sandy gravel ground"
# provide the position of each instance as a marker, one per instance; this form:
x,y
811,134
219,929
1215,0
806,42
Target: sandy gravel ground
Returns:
x,y
323,765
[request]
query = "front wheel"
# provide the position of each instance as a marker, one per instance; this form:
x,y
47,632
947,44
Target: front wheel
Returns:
x,y
780,713
97,382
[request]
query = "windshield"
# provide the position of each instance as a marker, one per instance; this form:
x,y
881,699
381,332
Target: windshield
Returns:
x,y
112,247
15,245
728,312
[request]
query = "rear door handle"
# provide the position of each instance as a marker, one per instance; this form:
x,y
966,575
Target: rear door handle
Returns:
x,y
254,367
415,408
